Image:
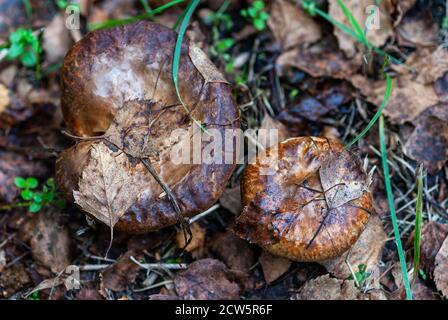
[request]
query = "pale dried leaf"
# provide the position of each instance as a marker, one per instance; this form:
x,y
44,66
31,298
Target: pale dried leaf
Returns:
x,y
205,67
367,250
273,266
4,98
291,26
106,189
56,40
441,269
358,8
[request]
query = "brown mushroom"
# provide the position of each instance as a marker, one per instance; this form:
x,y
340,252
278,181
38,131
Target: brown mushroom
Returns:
x,y
313,207
118,94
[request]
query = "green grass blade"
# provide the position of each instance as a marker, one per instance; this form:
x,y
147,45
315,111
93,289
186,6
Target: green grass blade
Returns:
x,y
353,22
390,198
418,221
120,22
378,113
177,51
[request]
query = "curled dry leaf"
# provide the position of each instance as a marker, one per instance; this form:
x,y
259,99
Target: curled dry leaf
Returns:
x,y
292,26
273,267
366,251
51,242
327,288
289,212
118,88
428,143
56,40
441,269
206,279
361,9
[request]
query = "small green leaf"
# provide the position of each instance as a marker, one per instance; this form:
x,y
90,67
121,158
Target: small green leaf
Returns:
x,y
35,207
31,182
258,4
50,183
37,197
20,182
15,50
28,58
259,24
26,194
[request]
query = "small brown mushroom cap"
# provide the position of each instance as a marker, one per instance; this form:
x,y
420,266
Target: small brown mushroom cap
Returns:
x,y
288,214
118,81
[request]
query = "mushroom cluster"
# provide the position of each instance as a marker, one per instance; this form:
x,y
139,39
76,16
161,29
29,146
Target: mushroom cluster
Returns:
x,y
313,207
120,101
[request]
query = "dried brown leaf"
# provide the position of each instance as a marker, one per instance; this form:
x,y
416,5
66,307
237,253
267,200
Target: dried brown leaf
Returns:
x,y
359,10
441,269
206,279
107,188
327,288
273,267
121,273
51,243
291,26
367,251
231,199
197,240
205,67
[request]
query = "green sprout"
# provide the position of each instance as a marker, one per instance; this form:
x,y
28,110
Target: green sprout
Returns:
x,y
361,275
32,198
256,14
24,46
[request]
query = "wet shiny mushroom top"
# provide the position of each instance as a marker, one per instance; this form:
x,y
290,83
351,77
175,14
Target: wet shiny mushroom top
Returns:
x,y
119,98
306,200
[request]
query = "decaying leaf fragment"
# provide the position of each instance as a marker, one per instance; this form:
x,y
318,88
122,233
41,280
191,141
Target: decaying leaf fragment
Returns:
x,y
106,188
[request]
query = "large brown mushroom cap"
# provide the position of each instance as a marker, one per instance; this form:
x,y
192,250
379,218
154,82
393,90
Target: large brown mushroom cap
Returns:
x,y
117,84
288,214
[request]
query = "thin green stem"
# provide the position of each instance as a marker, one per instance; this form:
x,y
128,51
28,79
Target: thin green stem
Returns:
x,y
377,114
390,198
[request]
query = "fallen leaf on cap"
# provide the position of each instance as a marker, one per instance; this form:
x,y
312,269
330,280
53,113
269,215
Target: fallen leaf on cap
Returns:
x,y
101,191
273,266
291,26
120,274
206,279
51,243
342,178
441,269
361,12
366,251
327,288
428,143
433,235
236,253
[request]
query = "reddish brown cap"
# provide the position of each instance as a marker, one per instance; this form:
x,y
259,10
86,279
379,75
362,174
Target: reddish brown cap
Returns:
x,y
288,213
117,83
